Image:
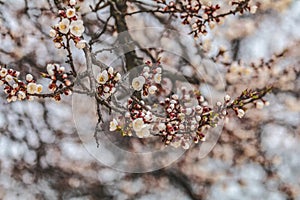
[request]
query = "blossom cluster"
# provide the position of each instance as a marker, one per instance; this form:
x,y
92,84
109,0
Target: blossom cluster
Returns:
x,y
180,119
199,15
17,89
148,81
249,96
69,26
183,120
107,81
139,117
59,80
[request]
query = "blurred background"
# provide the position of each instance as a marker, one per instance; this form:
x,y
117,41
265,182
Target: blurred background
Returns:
x,y
256,157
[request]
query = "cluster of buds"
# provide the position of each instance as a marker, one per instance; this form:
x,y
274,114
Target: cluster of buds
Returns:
x,y
69,27
179,119
185,119
244,6
138,118
107,80
170,127
148,81
249,96
60,80
15,88
199,15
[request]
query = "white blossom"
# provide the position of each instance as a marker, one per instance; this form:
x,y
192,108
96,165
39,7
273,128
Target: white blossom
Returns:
x,y
31,88
146,69
172,106
3,72
57,45
29,77
227,97
64,26
77,28
8,78
39,88
205,103
50,69
102,77
13,92
81,44
158,70
106,89
8,99
144,132
146,74
148,116
14,98
52,33
70,12
189,111
173,101
175,96
118,77
113,125
157,78
21,95
138,82
152,89
240,113
138,124
110,70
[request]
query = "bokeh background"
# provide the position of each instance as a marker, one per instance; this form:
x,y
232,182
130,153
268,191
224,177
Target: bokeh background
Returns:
x,y
257,157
